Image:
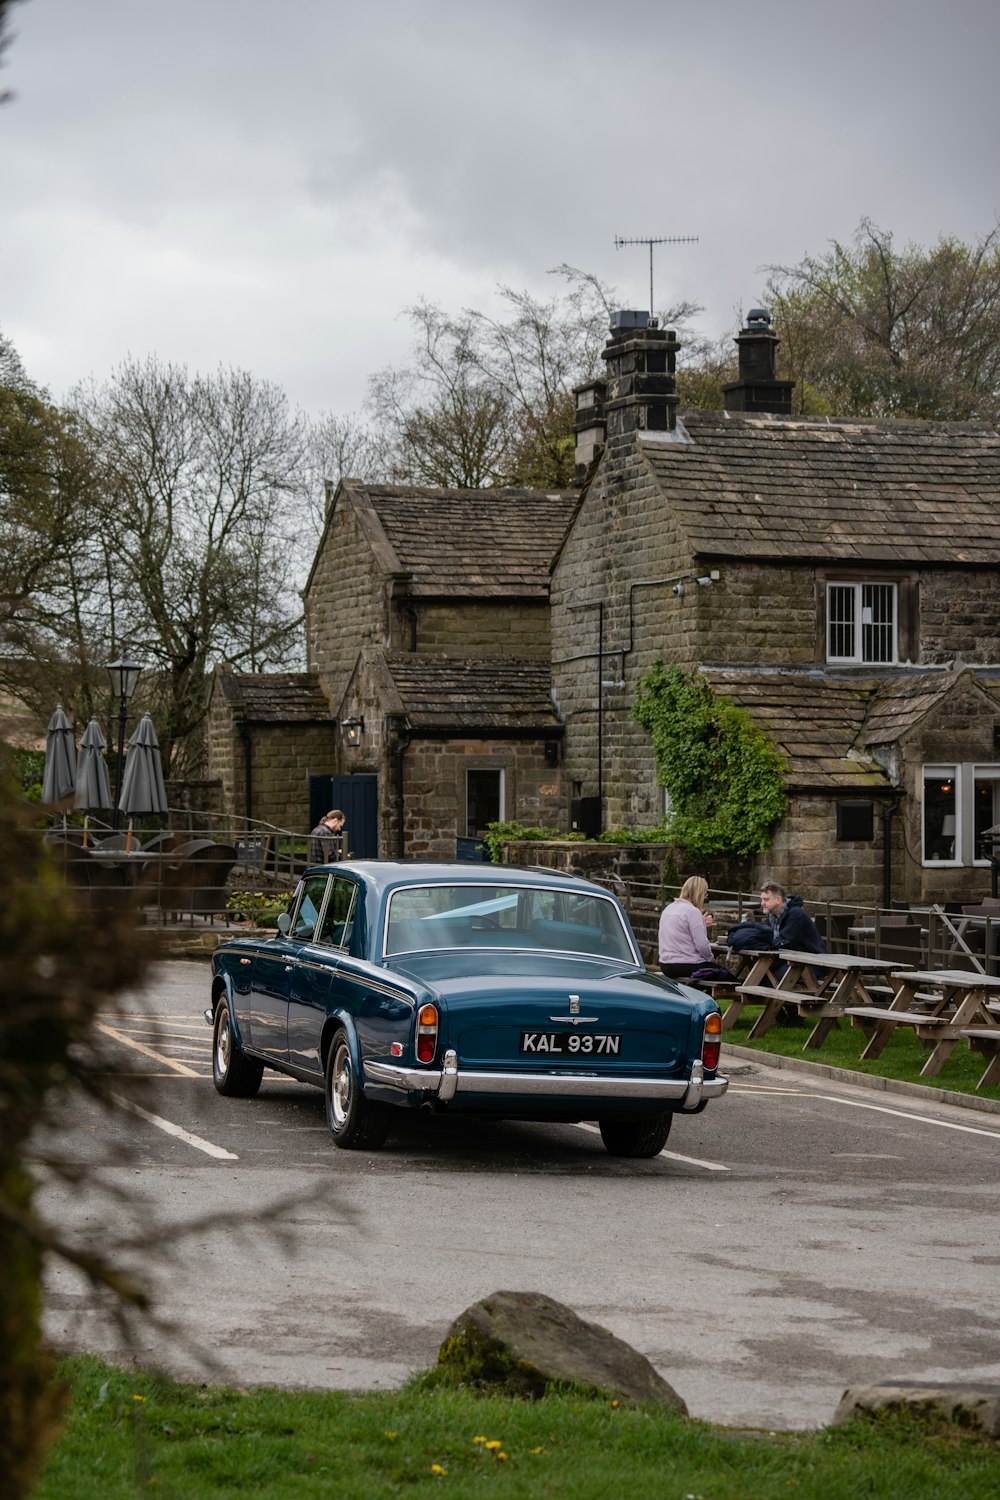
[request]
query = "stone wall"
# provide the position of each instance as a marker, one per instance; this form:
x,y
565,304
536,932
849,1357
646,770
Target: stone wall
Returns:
x,y
282,758
435,796
622,543
958,732
959,617
517,628
345,604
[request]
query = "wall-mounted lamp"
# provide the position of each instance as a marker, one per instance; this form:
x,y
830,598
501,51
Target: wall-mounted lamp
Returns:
x,y
353,730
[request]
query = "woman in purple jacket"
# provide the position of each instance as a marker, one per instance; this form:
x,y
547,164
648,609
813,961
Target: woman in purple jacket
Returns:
x,y
684,929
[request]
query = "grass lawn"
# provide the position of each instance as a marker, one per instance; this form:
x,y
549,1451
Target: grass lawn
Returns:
x,y
131,1434
903,1055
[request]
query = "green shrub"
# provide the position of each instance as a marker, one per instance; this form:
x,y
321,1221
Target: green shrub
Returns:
x,y
724,777
259,908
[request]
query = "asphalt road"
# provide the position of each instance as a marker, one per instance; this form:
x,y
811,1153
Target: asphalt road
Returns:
x,y
797,1237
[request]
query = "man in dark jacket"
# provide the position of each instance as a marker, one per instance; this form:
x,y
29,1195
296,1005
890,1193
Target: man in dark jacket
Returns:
x,y
790,923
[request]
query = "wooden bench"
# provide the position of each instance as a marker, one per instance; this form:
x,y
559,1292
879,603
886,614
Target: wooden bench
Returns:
x,y
787,997
986,1039
908,1017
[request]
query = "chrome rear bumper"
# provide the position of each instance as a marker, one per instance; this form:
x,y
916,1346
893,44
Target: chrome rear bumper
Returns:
x,y
449,1083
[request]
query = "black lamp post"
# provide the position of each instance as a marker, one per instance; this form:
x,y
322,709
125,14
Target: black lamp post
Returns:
x,y
124,675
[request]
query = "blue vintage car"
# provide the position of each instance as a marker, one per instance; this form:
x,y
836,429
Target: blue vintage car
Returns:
x,y
470,989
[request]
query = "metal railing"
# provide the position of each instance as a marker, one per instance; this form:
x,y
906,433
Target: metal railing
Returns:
x,y
190,868
914,936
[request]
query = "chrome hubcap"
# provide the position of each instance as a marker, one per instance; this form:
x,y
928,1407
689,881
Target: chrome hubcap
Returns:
x,y
340,1094
222,1045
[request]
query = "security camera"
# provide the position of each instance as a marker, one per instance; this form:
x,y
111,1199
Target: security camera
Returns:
x,y
678,589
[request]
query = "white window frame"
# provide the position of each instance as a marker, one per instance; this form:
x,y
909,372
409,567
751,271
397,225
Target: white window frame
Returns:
x,y
857,587
981,771
965,775
952,773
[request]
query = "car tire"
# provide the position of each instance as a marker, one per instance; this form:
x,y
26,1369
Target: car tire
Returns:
x,y
636,1138
355,1124
232,1071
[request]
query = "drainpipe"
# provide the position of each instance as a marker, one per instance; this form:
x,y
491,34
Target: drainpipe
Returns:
x,y
247,767
888,812
402,745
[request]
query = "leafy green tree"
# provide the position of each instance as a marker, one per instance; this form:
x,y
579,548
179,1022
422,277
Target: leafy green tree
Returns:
x,y
50,575
874,331
161,514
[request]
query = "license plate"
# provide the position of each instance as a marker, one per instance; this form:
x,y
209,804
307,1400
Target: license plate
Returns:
x,y
572,1043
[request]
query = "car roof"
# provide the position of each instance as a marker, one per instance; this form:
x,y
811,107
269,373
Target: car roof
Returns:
x,y
388,874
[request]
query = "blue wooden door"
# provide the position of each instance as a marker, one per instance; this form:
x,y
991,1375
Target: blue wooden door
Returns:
x,y
357,798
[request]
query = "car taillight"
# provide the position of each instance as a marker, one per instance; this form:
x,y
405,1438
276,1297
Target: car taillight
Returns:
x,y
427,1033
712,1045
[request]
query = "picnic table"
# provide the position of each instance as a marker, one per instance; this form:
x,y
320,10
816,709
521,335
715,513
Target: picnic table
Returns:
x,y
945,1006
822,987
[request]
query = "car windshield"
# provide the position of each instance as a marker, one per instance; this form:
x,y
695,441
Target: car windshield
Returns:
x,y
504,916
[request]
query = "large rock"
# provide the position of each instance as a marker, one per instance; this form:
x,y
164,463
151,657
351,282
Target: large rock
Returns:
x,y
525,1341
976,1404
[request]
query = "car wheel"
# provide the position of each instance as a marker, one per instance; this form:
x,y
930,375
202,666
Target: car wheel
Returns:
x,y
232,1072
636,1138
355,1124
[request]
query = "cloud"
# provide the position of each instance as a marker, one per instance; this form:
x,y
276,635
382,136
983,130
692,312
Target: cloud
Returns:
x,y
237,182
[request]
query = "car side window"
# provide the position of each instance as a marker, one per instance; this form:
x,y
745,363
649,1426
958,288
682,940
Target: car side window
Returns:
x,y
339,914
307,913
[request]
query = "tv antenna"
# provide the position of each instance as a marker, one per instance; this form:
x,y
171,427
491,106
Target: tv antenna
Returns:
x,y
673,239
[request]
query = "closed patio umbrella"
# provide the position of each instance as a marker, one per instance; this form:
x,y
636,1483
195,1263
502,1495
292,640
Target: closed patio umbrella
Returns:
x,y
93,788
143,790
59,777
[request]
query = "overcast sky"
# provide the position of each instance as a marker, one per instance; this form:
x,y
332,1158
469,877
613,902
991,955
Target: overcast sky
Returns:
x,y
267,185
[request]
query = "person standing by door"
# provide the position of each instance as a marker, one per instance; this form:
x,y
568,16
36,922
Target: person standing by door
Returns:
x,y
326,840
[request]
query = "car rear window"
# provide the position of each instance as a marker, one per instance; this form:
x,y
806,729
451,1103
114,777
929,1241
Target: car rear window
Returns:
x,y
422,918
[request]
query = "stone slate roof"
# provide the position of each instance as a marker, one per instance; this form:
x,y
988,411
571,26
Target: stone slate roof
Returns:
x,y
828,725
901,704
482,694
798,489
814,722
275,697
469,543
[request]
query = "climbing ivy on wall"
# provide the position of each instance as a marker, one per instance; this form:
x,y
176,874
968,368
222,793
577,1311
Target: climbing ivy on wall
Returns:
x,y
723,775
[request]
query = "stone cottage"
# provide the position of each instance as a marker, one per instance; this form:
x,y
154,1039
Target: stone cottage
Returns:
x,y
836,578
426,711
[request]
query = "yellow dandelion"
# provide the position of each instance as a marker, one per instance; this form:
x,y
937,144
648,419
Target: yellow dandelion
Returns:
x,y
479,1440
502,1455
539,1449
138,1398
614,1403
494,1444
437,1469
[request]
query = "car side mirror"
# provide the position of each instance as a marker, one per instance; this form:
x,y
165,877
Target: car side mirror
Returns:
x,y
284,922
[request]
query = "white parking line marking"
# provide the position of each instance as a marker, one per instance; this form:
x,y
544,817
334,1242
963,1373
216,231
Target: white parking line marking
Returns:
x,y
176,1130
127,1041
691,1161
902,1114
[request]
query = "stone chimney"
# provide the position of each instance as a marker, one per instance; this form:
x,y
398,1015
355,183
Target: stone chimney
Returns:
x,y
758,388
589,425
641,359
